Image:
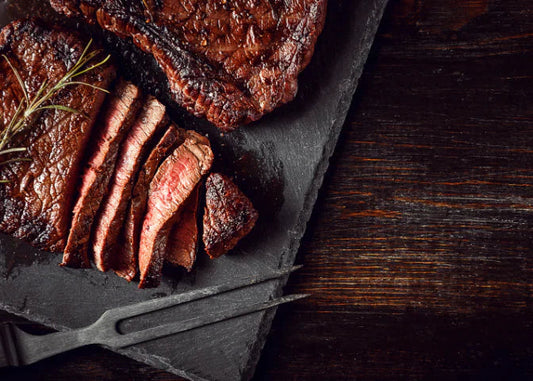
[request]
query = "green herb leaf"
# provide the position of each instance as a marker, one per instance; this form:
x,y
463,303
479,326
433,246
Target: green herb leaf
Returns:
x,y
88,85
58,107
13,150
17,159
19,78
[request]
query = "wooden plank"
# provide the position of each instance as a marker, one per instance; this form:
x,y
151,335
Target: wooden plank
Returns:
x,y
419,255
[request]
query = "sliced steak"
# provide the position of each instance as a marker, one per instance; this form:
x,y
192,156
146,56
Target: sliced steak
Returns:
x,y
183,240
229,61
173,183
111,216
36,204
126,265
228,216
115,120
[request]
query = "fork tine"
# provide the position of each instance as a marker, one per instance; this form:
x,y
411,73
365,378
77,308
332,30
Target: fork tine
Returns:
x,y
120,313
20,348
197,322
8,349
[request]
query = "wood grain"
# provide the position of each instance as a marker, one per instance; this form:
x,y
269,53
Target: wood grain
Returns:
x,y
431,192
419,255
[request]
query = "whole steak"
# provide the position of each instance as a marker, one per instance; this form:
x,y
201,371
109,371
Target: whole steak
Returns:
x,y
36,203
231,61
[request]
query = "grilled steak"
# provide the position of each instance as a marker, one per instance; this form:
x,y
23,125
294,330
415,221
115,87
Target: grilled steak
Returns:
x,y
36,204
111,216
229,61
120,111
183,239
174,181
126,266
228,216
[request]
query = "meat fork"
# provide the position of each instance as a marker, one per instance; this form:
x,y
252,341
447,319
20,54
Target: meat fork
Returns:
x,y
18,348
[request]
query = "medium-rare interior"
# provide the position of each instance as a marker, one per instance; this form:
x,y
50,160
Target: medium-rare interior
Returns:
x,y
228,61
110,220
119,113
183,239
36,203
229,215
173,183
125,263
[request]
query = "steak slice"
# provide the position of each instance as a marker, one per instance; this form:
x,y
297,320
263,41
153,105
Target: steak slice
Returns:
x,y
126,265
36,204
228,61
173,183
115,120
228,216
183,239
111,216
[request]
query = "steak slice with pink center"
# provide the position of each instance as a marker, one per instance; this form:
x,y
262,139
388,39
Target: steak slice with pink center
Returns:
x,y
119,113
175,180
126,266
111,216
183,240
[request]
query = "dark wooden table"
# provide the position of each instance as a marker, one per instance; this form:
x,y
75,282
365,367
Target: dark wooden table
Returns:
x,y
419,254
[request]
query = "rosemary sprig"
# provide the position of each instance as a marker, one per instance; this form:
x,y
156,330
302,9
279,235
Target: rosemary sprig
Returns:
x,y
30,106
150,17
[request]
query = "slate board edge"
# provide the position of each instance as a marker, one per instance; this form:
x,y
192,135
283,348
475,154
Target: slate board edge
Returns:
x,y
295,237
303,219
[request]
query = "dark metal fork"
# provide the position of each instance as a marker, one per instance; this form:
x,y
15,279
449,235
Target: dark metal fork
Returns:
x,y
18,348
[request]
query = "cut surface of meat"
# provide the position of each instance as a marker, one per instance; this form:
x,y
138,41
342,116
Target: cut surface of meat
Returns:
x,y
126,267
110,219
36,204
116,118
183,239
228,216
228,61
175,180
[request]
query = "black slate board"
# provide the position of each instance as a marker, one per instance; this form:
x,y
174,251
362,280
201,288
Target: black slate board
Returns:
x,y
279,162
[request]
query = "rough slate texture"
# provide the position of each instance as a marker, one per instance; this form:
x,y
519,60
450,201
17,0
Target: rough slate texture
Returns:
x,y
289,150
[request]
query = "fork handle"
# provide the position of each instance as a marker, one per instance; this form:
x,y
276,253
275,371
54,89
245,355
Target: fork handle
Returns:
x,y
33,348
